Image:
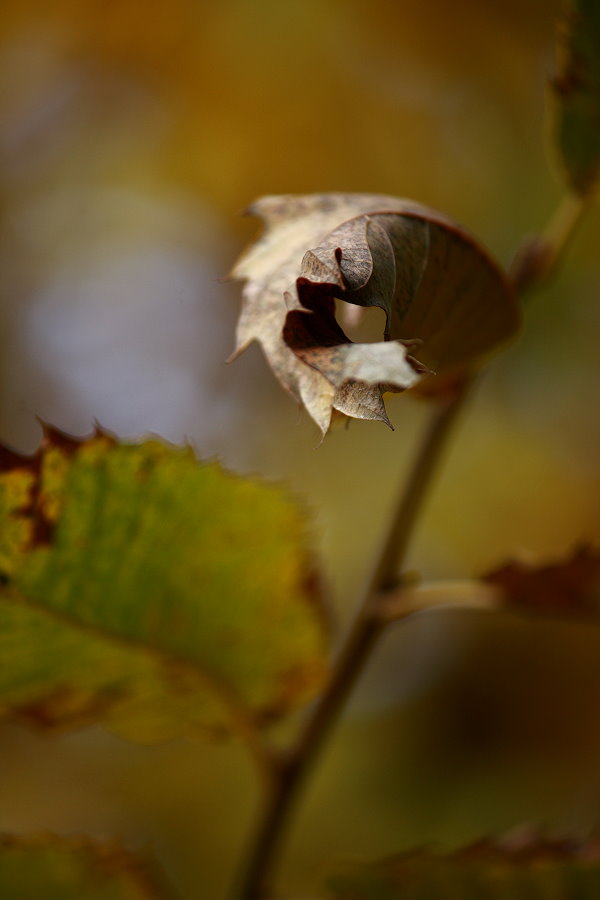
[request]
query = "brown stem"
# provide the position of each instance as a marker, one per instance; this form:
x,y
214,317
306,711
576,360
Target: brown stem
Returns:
x,y
469,594
538,256
353,655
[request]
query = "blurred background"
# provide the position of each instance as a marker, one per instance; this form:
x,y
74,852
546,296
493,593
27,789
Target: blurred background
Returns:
x,y
132,136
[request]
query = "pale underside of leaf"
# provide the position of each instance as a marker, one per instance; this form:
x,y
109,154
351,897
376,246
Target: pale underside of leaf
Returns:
x,y
438,288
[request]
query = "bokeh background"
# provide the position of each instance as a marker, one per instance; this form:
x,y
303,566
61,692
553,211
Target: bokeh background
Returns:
x,y
132,135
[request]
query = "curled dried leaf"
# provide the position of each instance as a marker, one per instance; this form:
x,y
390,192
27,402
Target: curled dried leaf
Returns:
x,y
439,289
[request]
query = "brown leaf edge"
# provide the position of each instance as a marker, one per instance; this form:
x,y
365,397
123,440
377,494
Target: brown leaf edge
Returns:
x,y
10,461
568,587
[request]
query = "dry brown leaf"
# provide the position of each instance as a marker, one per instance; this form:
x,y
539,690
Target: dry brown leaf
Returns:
x,y
567,587
440,290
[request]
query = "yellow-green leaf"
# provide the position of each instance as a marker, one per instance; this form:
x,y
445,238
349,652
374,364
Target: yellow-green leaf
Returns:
x,y
52,868
577,91
147,591
544,870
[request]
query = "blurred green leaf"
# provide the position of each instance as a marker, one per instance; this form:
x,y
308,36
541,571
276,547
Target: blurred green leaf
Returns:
x,y
61,869
544,870
150,592
577,89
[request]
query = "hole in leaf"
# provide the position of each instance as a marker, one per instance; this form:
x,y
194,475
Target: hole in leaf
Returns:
x,y
361,324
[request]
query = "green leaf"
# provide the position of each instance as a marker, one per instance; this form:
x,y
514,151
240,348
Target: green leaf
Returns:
x,y
446,301
577,91
542,870
60,869
149,592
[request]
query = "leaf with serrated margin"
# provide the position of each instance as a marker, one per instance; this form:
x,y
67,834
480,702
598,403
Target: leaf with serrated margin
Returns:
x,y
577,93
151,593
446,301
